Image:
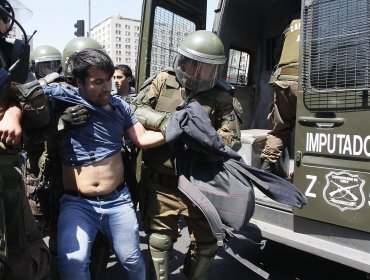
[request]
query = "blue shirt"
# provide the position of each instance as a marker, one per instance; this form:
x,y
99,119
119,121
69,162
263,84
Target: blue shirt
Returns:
x,y
101,137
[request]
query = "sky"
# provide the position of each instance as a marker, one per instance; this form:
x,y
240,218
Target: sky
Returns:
x,y
54,19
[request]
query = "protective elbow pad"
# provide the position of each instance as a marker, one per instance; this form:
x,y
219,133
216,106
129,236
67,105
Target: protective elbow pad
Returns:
x,y
150,118
33,102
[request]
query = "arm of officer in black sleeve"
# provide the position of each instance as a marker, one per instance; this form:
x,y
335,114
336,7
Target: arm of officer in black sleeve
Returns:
x,y
33,103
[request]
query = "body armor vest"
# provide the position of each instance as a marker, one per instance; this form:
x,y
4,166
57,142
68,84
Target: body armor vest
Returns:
x,y
170,96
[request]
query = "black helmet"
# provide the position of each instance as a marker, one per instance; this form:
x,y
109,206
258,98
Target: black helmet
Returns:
x,y
200,61
14,53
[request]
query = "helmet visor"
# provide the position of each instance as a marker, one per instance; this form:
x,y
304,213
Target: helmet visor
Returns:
x,y
195,75
46,67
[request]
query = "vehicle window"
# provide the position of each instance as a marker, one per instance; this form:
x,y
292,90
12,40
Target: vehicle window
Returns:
x,y
336,61
238,66
169,30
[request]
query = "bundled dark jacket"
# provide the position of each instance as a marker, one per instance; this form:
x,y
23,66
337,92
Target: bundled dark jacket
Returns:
x,y
215,177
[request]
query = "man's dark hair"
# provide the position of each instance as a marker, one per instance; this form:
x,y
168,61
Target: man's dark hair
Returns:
x,y
126,70
80,62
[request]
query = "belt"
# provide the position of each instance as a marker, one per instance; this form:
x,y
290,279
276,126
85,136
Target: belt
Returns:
x,y
95,197
164,180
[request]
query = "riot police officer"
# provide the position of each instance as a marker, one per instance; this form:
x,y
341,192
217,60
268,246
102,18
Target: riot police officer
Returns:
x,y
44,60
282,115
24,255
197,69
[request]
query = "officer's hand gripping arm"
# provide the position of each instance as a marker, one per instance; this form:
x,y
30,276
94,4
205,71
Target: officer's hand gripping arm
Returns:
x,y
75,116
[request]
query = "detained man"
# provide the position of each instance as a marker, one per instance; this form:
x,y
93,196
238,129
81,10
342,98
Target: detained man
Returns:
x,y
96,197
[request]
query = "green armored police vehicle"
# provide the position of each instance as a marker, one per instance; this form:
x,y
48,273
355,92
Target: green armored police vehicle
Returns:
x,y
327,155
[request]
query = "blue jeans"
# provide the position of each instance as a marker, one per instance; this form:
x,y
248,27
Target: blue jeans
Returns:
x,y
79,221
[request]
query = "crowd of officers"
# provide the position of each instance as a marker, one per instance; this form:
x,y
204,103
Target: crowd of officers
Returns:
x,y
197,69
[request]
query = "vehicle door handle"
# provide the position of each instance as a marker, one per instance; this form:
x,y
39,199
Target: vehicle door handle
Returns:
x,y
320,122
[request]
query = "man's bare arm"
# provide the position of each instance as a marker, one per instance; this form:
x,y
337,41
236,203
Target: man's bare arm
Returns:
x,y
143,138
10,125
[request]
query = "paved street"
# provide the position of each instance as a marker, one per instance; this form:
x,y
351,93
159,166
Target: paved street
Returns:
x,y
283,263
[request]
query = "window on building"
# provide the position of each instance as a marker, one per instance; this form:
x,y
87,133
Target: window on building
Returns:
x,y
127,27
118,39
238,66
128,53
127,33
137,28
118,59
128,47
136,34
118,46
118,25
118,52
128,60
127,40
118,32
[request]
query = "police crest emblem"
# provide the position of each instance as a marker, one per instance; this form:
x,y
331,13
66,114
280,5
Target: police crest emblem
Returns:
x,y
344,191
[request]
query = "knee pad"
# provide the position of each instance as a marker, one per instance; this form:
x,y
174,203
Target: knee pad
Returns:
x,y
160,241
160,246
198,259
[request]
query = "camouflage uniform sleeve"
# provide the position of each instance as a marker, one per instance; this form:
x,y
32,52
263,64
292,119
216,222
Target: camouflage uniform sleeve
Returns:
x,y
227,124
145,103
149,94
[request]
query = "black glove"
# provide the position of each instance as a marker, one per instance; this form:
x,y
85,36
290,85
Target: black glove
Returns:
x,y
75,116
